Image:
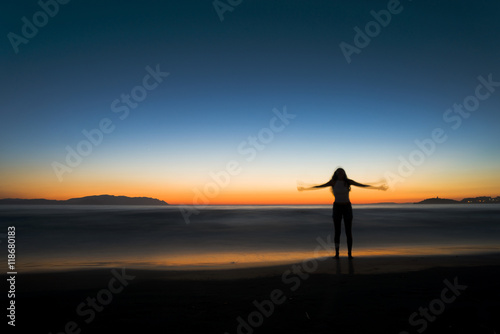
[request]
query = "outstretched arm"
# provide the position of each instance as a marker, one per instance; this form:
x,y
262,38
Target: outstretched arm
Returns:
x,y
328,184
357,184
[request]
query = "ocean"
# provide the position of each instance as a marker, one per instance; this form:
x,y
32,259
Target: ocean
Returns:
x,y
52,238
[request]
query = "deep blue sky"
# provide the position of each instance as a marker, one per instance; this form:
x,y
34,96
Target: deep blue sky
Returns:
x,y
225,79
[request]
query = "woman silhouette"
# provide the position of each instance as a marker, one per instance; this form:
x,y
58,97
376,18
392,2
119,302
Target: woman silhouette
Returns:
x,y
341,185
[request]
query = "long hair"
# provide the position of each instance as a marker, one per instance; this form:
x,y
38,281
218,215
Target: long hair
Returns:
x,y
335,177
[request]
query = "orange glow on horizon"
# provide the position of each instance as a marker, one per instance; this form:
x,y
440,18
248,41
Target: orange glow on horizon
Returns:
x,y
288,197
32,183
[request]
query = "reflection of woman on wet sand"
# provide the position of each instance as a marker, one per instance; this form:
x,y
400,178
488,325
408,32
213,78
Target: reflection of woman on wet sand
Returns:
x,y
341,185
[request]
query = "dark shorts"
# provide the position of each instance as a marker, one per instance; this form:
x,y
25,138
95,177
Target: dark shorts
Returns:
x,y
342,210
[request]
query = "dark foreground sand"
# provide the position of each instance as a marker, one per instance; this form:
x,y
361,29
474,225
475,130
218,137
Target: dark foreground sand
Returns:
x,y
445,294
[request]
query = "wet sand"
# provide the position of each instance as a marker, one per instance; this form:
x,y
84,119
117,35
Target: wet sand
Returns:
x,y
441,294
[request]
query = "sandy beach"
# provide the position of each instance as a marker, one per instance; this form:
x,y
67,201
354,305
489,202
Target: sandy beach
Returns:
x,y
432,294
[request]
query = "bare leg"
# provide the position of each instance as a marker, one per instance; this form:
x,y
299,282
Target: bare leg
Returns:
x,y
337,220
348,229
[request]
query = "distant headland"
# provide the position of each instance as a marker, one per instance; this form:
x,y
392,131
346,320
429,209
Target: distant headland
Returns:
x,y
469,200
88,200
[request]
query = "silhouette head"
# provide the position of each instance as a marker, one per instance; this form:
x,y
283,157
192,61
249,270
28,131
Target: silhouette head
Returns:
x,y
339,174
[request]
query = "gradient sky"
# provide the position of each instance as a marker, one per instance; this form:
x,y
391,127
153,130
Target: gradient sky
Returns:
x,y
226,78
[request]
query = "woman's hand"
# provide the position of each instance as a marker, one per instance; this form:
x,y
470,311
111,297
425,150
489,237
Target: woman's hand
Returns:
x,y
383,187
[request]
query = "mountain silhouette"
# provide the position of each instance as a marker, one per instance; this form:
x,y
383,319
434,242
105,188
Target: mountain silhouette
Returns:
x,y
88,200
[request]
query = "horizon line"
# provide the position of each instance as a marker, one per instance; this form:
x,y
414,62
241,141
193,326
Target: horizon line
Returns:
x,y
249,204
